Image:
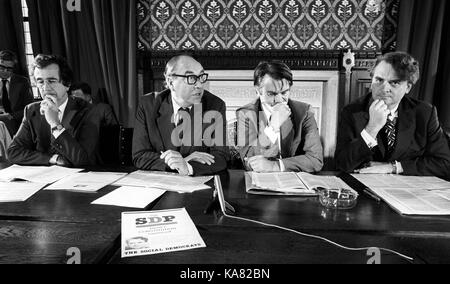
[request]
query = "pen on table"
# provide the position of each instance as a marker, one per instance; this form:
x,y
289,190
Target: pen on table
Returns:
x,y
372,195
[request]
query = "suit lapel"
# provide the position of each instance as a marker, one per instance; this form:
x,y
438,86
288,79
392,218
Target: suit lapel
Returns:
x,y
406,128
69,114
297,128
164,122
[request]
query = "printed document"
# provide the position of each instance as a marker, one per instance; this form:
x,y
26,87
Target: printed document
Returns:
x,y
18,191
290,183
410,195
132,197
36,174
155,232
86,182
166,181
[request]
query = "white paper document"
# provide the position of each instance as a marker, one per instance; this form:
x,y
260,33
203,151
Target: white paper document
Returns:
x,y
154,232
18,191
410,195
132,197
166,181
290,183
86,182
36,174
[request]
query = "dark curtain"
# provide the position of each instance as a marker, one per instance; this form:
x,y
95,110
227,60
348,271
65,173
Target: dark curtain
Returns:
x,y
11,27
99,42
424,32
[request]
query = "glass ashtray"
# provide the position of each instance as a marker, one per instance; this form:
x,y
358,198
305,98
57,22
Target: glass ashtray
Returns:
x,y
338,198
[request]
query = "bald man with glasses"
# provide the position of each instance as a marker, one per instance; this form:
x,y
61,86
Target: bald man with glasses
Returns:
x,y
183,128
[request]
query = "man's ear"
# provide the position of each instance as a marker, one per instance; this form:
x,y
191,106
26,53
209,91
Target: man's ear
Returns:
x,y
408,88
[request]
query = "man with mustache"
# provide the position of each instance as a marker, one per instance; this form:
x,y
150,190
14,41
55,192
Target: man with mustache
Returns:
x,y
388,132
58,130
183,128
276,134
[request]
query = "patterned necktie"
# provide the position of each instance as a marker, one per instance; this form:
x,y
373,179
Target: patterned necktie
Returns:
x,y
5,99
389,129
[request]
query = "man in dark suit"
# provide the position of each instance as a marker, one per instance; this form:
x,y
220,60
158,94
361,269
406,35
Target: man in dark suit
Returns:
x,y
388,132
183,128
104,111
275,133
59,129
15,92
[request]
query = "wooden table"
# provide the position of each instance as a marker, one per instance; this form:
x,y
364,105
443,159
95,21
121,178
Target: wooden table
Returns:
x,y
43,228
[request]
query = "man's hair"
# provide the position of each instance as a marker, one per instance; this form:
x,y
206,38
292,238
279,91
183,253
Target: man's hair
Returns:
x,y
83,86
275,69
65,72
406,66
8,55
173,62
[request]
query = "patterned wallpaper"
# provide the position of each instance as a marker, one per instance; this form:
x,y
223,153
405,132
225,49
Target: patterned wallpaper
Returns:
x,y
368,25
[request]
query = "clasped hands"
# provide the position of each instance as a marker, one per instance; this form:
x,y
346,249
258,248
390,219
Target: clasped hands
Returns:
x,y
376,168
176,162
261,164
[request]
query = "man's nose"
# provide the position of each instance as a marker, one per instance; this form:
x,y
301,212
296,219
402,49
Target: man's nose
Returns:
x,y
387,86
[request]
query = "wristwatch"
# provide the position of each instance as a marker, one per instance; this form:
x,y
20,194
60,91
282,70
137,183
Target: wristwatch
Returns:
x,y
58,127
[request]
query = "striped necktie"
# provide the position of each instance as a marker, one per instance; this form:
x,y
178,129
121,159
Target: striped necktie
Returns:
x,y
390,131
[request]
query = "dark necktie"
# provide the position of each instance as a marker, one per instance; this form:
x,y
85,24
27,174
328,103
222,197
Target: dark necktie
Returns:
x,y
389,129
182,112
5,99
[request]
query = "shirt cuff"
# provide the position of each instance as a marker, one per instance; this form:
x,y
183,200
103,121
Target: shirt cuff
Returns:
x,y
370,141
53,159
273,136
58,133
282,167
399,168
190,169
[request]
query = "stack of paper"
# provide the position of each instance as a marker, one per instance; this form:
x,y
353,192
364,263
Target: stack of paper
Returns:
x,y
166,181
410,195
133,197
290,183
36,174
18,191
86,182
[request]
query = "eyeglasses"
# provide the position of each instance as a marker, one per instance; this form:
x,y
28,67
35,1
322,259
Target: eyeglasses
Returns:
x,y
50,82
6,68
192,79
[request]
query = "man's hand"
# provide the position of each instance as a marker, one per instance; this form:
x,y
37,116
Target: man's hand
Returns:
x,y
50,110
201,157
378,112
261,164
281,112
175,162
376,168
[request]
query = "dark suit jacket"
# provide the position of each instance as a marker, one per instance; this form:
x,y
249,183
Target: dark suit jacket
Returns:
x,y
421,146
34,143
303,151
105,114
154,127
20,95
